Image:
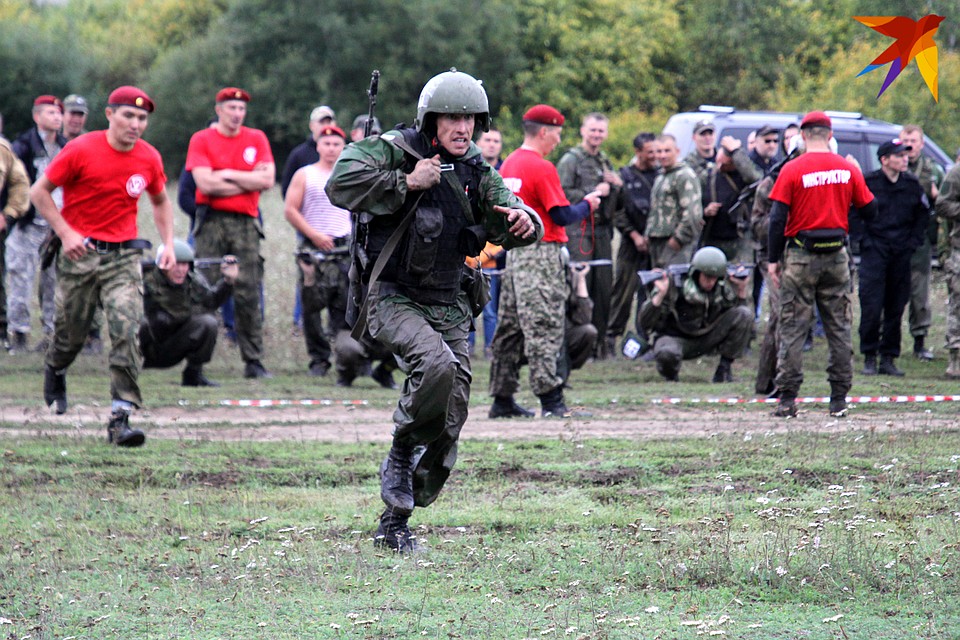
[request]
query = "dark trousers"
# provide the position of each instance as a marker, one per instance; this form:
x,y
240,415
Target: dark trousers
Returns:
x,y
884,293
194,341
626,286
596,246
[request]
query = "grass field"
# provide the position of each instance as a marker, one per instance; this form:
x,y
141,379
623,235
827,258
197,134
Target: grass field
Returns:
x,y
750,533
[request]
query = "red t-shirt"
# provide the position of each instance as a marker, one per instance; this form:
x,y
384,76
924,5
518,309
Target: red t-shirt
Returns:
x,y
536,181
101,185
209,148
818,188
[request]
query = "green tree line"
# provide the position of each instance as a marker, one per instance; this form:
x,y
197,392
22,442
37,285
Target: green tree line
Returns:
x,y
638,62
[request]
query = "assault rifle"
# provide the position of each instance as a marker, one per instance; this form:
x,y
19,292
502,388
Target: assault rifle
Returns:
x,y
372,97
202,263
677,271
316,257
599,262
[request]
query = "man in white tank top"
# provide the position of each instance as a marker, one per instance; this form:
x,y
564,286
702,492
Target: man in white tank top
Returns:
x,y
324,232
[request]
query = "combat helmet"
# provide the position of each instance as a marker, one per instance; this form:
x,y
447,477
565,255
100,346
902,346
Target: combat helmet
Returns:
x,y
182,251
709,261
453,92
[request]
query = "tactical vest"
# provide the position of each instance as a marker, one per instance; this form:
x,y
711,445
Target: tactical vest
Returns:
x,y
427,266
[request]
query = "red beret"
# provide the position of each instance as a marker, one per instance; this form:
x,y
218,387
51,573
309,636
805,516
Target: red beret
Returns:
x,y
232,93
331,130
544,114
816,119
130,97
54,100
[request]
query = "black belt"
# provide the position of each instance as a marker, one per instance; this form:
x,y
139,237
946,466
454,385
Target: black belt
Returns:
x,y
101,246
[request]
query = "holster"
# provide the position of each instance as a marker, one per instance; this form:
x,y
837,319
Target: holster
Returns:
x,y
49,249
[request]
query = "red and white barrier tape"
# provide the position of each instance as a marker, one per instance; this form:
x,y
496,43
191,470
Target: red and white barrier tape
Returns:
x,y
813,400
273,403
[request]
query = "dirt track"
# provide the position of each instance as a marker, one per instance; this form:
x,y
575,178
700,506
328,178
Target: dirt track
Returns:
x,y
363,424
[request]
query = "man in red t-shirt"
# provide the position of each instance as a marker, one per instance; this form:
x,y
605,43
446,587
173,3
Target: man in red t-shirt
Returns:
x,y
231,165
533,294
103,174
808,231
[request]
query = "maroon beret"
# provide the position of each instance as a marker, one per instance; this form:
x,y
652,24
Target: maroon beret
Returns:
x,y
54,100
332,130
130,97
816,119
544,114
232,93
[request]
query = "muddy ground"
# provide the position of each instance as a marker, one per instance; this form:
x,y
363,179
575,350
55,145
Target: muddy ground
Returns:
x,y
365,424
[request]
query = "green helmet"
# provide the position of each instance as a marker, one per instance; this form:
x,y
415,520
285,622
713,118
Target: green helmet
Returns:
x,y
181,251
453,92
710,261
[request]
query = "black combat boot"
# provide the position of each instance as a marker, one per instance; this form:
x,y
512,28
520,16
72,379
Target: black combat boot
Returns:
x,y
120,433
723,372
383,377
55,389
193,377
786,408
396,479
507,407
870,365
19,343
888,368
553,406
920,351
255,369
394,533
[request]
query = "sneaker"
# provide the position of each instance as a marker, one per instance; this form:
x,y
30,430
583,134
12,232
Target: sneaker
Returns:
x,y
394,533
507,407
923,354
120,433
255,369
319,369
55,389
787,408
383,377
838,406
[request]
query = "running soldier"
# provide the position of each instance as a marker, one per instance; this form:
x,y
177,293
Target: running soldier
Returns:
x,y
426,192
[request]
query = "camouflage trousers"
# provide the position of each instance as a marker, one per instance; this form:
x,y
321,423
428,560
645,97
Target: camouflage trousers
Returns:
x,y
596,246
237,234
728,337
531,320
662,256
430,345
920,314
952,271
767,358
113,280
193,341
626,286
23,262
822,279
328,292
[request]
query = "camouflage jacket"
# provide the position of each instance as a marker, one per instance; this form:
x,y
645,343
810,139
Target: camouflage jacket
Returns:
x,y
580,173
14,183
369,178
760,216
166,306
675,207
700,165
929,172
688,311
948,204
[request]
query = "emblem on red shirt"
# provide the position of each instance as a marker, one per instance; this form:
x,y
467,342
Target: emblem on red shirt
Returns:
x,y
250,155
135,185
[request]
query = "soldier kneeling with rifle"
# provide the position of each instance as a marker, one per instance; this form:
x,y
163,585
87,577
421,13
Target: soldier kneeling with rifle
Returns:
x,y
179,306
699,311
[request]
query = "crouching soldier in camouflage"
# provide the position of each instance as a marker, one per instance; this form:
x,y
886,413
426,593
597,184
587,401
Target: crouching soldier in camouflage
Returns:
x,y
178,314
706,312
426,192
